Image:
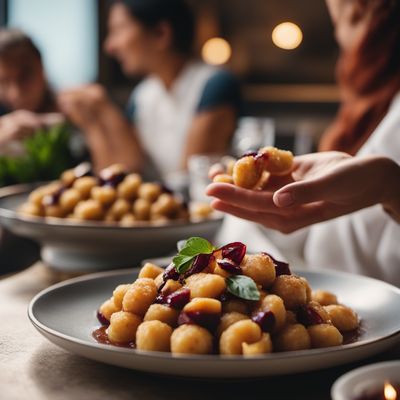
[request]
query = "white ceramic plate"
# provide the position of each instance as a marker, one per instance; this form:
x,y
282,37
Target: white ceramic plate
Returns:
x,y
66,315
89,247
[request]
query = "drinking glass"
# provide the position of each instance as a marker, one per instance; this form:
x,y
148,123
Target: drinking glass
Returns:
x,y
253,133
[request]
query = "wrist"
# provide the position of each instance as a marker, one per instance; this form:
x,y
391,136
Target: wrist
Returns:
x,y
391,192
101,104
95,115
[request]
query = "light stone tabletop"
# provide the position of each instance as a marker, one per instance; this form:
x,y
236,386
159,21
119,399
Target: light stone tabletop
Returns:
x,y
31,368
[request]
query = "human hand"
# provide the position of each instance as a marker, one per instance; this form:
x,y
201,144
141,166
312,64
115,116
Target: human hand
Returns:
x,y
20,124
324,186
83,104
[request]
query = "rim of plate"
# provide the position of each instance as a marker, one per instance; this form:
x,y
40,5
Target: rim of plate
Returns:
x,y
218,358
14,190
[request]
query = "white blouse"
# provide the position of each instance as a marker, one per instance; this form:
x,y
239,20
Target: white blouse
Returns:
x,y
365,242
368,241
163,117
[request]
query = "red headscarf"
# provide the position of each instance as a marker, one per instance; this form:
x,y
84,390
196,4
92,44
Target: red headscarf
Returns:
x,y
368,77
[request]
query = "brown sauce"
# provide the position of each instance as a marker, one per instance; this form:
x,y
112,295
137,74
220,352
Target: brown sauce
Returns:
x,y
100,335
353,336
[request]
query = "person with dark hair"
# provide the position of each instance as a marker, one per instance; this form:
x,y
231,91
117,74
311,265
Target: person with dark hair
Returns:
x,y
182,107
345,200
26,105
26,101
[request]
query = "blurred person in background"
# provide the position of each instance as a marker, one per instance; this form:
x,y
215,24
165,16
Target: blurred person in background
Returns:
x,y
332,184
182,106
26,100
27,104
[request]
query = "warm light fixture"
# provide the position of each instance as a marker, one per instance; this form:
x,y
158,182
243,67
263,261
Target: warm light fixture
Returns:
x,y
390,392
287,35
216,51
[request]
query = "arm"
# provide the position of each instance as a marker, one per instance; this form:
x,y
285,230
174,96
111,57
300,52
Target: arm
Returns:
x,y
21,124
110,136
217,112
119,140
324,186
210,132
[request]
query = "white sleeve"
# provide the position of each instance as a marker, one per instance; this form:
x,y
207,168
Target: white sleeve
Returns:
x,y
368,241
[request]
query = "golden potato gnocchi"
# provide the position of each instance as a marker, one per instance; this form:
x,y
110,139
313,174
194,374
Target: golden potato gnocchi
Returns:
x,y
253,170
256,306
153,336
113,196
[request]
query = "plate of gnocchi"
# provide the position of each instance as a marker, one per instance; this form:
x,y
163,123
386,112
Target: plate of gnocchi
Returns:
x,y
88,222
220,313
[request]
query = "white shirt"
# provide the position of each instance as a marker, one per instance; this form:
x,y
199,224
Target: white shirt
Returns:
x,y
163,117
366,242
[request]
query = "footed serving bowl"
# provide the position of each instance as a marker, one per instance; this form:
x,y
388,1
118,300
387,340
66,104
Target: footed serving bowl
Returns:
x,y
73,246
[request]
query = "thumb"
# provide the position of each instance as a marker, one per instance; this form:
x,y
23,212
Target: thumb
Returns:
x,y
302,192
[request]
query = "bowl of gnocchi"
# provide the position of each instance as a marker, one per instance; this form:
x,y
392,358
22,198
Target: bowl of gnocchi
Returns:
x,y
88,222
220,312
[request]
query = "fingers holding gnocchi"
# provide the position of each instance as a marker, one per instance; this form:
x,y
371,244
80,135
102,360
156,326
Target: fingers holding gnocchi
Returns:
x,y
253,170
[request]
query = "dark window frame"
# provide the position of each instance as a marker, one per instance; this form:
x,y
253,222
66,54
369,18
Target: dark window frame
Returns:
x,y
3,12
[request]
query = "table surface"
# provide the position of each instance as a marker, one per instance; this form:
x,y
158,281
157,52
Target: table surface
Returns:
x,y
33,368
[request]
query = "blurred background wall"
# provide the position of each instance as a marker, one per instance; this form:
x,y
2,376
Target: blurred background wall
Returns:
x,y
287,71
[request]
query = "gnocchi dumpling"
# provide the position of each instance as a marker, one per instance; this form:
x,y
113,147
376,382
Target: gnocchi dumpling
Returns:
x,y
255,307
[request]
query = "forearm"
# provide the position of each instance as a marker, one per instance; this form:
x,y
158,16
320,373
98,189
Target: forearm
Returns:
x,y
122,138
391,198
210,133
4,136
98,145
111,139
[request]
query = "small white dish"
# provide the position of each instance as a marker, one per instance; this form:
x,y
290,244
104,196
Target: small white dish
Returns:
x,y
372,377
66,315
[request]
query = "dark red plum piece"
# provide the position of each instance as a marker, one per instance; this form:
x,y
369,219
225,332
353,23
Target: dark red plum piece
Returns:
x,y
54,198
166,189
281,267
208,321
200,263
171,273
263,157
229,266
234,251
108,177
113,180
307,316
259,157
178,299
102,319
265,320
249,153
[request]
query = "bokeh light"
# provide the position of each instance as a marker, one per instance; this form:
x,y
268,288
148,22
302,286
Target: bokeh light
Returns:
x,y
216,51
287,35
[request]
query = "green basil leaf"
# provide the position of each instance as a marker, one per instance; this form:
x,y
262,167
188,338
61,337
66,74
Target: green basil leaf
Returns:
x,y
244,287
185,267
189,250
195,246
182,263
